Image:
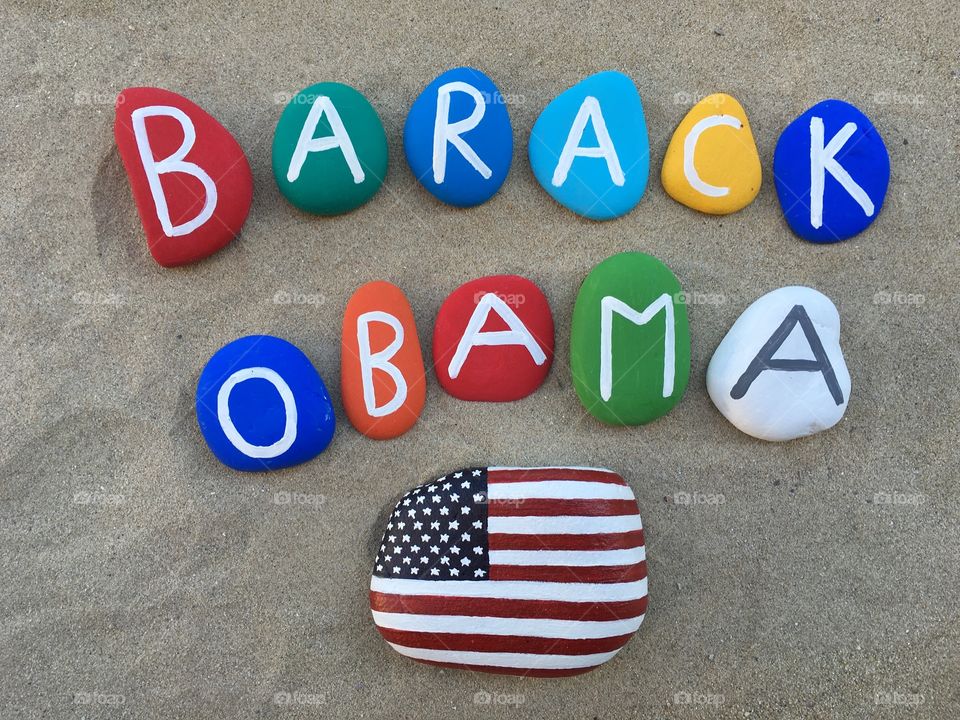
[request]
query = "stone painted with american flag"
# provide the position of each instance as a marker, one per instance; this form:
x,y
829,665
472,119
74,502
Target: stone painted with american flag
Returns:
x,y
521,571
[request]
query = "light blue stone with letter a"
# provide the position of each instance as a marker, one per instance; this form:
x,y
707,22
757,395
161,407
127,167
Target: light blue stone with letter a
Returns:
x,y
589,148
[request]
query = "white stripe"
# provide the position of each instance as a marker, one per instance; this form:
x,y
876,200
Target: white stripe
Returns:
x,y
559,490
564,525
580,558
514,589
469,625
529,661
552,467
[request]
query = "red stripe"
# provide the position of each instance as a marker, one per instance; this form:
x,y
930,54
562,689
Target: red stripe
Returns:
x,y
567,573
601,541
522,672
489,607
533,475
503,643
544,507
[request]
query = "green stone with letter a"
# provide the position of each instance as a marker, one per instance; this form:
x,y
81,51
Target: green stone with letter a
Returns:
x,y
630,341
329,150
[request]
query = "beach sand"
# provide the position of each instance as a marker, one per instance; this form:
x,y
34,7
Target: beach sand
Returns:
x,y
141,578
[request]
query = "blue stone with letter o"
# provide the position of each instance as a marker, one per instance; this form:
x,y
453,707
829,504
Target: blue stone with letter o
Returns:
x,y
261,405
831,170
458,138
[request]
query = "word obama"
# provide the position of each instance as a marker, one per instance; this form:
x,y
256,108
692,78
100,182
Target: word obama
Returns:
x,y
493,337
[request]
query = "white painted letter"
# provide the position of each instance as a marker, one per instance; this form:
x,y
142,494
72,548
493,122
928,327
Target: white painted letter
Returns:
x,y
446,132
690,148
307,143
173,164
516,335
289,406
589,110
610,305
380,361
822,161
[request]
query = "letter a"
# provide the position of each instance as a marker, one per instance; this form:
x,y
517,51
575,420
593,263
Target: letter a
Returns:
x,y
516,335
765,360
380,361
307,143
174,163
589,110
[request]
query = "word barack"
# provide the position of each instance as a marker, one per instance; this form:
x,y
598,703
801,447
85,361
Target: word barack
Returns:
x,y
525,571
589,149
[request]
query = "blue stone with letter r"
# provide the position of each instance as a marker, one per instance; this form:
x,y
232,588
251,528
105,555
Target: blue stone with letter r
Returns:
x,y
831,170
458,138
261,405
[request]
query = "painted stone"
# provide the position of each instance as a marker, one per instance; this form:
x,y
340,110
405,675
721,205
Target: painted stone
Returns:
x,y
458,139
493,339
779,372
329,150
831,170
191,181
630,342
261,405
381,366
712,164
589,148
522,571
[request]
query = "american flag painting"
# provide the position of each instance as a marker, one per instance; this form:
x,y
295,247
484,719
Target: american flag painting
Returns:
x,y
523,571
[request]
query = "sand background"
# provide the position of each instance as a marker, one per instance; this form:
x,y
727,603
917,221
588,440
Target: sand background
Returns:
x,y
136,568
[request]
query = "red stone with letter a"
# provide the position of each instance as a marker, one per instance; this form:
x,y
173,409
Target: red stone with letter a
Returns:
x,y
493,339
191,181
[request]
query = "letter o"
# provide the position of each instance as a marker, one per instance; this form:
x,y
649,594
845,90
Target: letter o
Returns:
x,y
289,406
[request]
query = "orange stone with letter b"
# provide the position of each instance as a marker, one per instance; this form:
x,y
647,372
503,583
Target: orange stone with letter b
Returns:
x,y
381,366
